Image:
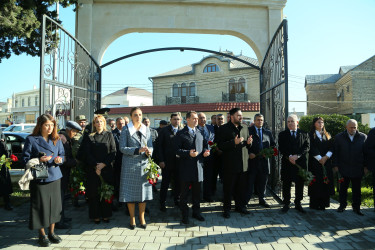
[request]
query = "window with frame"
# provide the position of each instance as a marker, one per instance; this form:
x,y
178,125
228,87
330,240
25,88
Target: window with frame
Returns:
x,y
29,101
192,89
211,67
23,102
176,91
36,101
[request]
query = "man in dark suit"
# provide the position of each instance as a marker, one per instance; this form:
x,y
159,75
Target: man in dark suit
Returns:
x,y
191,148
349,160
120,123
168,161
294,144
234,140
217,155
370,157
208,133
259,167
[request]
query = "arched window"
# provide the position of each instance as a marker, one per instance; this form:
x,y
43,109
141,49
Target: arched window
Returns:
x,y
175,90
183,89
192,89
232,86
211,68
241,85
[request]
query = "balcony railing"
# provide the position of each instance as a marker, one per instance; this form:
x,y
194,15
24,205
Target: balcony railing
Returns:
x,y
236,97
182,100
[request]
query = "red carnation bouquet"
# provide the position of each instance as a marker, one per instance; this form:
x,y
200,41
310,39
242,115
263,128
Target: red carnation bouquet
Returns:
x,y
325,177
213,146
106,191
7,161
268,152
152,171
77,177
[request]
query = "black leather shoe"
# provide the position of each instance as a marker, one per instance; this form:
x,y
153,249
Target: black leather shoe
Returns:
x,y
44,241
185,220
285,208
144,226
54,238
299,208
131,227
242,210
341,209
62,225
8,207
226,214
163,208
358,211
263,203
106,220
198,217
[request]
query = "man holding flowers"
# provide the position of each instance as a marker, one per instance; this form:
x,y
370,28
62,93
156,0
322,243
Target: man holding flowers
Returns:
x,y
259,162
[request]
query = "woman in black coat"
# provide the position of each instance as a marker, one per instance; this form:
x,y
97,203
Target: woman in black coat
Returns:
x,y
99,149
5,180
321,150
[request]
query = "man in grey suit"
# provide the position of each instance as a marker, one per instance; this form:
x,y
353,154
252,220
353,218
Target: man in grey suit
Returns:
x,y
191,148
259,167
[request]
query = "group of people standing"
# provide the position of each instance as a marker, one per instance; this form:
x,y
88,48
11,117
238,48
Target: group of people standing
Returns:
x,y
187,155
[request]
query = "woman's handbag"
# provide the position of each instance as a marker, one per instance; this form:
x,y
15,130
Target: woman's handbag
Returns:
x,y
40,171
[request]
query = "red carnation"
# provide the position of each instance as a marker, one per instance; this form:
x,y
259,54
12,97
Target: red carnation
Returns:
x,y
150,181
14,158
157,175
210,143
275,152
83,192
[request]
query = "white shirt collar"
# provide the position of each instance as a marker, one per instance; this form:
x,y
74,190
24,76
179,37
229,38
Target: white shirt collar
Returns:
x,y
191,129
132,129
318,134
350,136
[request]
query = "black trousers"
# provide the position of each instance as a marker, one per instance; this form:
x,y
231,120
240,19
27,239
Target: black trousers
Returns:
x,y
216,171
169,174
356,192
207,177
287,184
196,192
258,179
234,184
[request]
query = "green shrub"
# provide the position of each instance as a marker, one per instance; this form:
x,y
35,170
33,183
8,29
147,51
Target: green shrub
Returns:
x,y
334,124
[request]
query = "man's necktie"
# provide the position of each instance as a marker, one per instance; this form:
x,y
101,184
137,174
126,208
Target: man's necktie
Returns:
x,y
174,130
260,139
294,134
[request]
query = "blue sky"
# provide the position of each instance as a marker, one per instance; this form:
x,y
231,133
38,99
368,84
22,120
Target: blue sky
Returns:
x,y
323,35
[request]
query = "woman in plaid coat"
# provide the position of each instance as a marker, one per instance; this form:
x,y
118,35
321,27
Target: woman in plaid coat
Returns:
x,y
136,146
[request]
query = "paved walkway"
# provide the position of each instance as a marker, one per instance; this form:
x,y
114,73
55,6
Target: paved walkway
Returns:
x,y
263,229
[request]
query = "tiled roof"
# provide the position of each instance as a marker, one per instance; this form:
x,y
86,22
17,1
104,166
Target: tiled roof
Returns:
x,y
345,69
199,107
320,79
189,69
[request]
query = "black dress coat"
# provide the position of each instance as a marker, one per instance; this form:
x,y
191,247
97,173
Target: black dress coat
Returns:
x,y
167,147
320,190
70,162
235,157
370,150
260,163
5,180
349,155
293,146
190,168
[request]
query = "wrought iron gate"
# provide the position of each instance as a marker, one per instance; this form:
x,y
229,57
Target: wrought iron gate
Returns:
x,y
274,94
70,79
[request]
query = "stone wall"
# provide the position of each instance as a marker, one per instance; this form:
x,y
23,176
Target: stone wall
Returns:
x,y
325,97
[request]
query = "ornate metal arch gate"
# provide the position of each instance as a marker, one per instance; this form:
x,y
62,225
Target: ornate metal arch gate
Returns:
x,y
274,94
70,78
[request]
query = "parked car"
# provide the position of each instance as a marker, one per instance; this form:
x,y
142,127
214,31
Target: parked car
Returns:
x,y
15,142
19,127
3,126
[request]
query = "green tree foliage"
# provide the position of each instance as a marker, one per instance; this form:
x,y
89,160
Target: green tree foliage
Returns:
x,y
20,22
334,124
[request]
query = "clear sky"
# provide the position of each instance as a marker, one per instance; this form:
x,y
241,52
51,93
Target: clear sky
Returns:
x,y
323,35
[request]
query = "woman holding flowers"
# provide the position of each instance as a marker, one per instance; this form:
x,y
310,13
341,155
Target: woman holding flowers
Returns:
x,y
320,164
44,146
99,154
136,147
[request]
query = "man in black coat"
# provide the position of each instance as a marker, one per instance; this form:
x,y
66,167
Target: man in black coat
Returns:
x,y
191,148
120,123
72,128
294,144
234,140
349,160
259,167
168,161
370,157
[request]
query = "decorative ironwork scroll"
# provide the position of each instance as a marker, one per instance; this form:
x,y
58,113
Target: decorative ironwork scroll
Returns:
x,y
70,79
274,94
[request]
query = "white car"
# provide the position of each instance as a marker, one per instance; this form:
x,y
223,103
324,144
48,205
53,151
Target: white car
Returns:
x,y
19,127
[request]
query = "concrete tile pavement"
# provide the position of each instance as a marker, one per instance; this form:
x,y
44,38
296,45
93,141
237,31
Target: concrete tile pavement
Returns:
x,y
262,229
